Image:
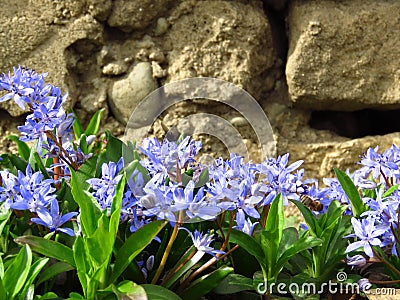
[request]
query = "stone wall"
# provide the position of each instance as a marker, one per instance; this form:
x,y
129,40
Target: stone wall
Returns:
x,y
327,73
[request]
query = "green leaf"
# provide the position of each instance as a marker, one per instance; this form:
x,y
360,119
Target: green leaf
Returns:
x,y
82,265
305,242
40,165
234,283
248,243
189,264
156,292
116,149
206,283
129,290
48,248
357,205
90,210
271,236
390,191
83,143
134,245
18,162
16,274
77,127
54,270
23,148
310,219
94,123
33,273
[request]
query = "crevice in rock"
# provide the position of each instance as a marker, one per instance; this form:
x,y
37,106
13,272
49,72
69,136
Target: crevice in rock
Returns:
x,y
357,124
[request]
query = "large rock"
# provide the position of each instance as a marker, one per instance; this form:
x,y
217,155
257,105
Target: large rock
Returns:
x,y
344,55
38,37
228,40
131,15
125,94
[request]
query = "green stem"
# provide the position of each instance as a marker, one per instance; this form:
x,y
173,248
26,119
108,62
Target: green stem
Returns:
x,y
166,253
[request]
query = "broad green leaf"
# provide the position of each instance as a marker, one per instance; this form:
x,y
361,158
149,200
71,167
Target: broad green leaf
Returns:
x,y
116,149
135,166
234,283
33,273
3,292
94,123
16,274
156,292
23,148
206,283
18,162
310,219
127,290
54,270
87,171
248,243
83,144
82,265
40,165
77,127
300,245
48,296
90,210
48,248
134,245
357,205
289,237
271,236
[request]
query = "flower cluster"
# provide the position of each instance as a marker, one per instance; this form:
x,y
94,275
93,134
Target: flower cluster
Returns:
x,y
30,191
47,124
378,181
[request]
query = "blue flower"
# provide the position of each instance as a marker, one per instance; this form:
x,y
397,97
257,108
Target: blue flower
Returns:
x,y
104,188
357,261
53,219
244,225
368,234
202,242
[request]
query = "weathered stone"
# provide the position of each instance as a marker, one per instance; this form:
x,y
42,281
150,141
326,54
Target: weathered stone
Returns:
x,y
222,39
33,42
131,15
344,55
125,94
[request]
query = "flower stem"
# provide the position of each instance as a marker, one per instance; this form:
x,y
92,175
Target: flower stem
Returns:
x,y
166,253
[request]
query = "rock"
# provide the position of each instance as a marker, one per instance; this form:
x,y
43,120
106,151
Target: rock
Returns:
x,y
127,93
115,69
131,15
158,72
228,40
344,55
161,27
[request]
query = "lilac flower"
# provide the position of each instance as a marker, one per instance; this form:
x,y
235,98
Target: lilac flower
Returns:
x,y
377,163
356,261
280,179
169,157
19,85
368,234
28,191
364,284
104,188
244,225
202,242
53,219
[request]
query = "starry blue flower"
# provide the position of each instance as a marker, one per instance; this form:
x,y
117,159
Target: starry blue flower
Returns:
x,y
367,233
202,242
104,188
53,219
243,224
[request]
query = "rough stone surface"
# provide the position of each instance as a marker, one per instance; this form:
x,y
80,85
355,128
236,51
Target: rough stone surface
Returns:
x,y
126,94
340,55
131,15
30,38
223,39
344,54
